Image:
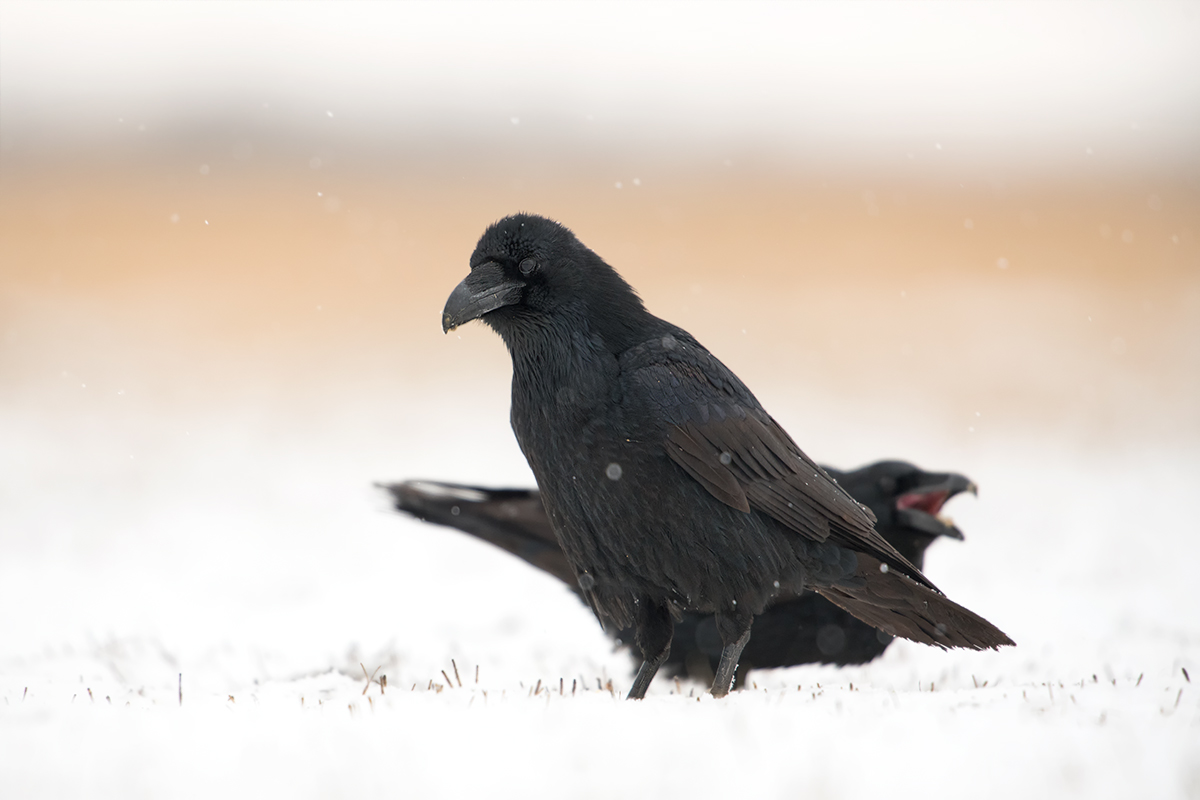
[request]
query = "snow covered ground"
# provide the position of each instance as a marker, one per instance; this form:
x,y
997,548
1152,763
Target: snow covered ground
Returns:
x,y
202,625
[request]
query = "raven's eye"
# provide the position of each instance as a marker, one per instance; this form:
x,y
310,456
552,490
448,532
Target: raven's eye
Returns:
x,y
528,266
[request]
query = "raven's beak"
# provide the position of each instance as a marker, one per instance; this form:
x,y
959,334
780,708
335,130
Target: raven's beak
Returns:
x,y
920,508
928,524
484,290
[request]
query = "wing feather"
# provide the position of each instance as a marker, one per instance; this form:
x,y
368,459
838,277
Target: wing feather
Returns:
x,y
720,435
720,483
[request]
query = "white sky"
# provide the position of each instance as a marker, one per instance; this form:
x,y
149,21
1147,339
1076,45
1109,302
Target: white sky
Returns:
x,y
1029,78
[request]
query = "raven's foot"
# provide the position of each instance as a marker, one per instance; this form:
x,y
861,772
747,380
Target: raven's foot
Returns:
x,y
654,628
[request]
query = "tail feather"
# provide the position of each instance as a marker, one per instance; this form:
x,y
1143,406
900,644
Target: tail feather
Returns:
x,y
897,605
511,519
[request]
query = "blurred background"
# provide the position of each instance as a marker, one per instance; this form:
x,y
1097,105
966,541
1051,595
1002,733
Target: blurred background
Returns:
x,y
227,231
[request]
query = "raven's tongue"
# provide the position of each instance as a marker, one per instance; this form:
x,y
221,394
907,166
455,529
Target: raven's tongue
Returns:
x,y
930,502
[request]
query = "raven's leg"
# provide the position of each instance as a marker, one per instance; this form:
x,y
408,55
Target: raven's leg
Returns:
x,y
653,638
735,632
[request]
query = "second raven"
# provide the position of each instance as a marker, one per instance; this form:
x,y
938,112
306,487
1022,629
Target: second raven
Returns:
x,y
668,485
804,629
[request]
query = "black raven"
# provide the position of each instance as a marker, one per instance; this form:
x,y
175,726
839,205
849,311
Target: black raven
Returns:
x,y
795,630
667,484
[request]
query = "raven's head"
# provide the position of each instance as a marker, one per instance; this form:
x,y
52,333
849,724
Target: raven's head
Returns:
x,y
907,502
528,271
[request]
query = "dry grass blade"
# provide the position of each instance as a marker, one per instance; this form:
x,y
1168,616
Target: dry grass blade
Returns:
x,y
370,677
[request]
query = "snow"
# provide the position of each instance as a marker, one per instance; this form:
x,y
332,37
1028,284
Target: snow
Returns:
x,y
267,587
774,743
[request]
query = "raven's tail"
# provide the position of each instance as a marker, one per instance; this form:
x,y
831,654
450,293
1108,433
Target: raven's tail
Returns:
x,y
896,604
511,519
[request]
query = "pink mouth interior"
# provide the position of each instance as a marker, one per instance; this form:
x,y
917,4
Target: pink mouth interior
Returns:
x,y
929,502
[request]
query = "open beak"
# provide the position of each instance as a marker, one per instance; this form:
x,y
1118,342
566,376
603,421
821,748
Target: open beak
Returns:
x,y
921,508
484,290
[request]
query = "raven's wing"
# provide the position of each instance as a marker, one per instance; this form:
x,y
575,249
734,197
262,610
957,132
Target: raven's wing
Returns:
x,y
511,519
722,437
